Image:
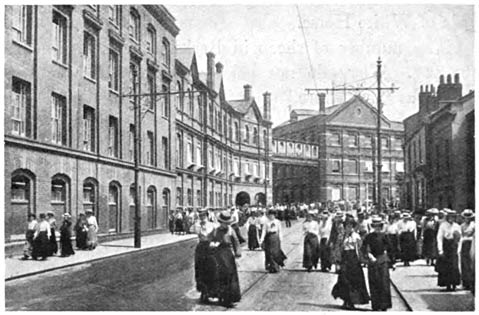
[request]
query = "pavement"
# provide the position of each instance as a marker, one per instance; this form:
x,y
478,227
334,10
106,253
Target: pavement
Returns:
x,y
418,286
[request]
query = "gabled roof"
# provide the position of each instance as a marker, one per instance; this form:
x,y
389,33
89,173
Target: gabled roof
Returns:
x,y
185,56
241,106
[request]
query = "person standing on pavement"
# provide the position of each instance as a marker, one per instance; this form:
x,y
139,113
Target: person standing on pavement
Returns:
x,y
271,243
253,239
311,243
32,226
66,236
407,238
448,238
204,262
225,247
92,225
351,285
235,224
377,247
81,232
392,233
53,236
429,236
467,267
41,239
179,222
324,234
336,239
287,215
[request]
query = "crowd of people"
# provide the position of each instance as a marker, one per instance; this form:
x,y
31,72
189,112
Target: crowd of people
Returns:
x,y
41,235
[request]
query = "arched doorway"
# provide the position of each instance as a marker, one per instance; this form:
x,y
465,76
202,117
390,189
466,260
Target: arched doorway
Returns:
x,y
242,198
260,198
151,213
114,207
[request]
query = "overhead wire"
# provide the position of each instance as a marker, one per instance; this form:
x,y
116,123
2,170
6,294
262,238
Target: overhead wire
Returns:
x,y
307,48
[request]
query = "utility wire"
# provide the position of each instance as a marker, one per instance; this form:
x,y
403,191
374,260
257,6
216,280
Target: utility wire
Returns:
x,y
307,48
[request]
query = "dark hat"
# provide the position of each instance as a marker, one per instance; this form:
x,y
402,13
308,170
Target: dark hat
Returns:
x,y
350,221
468,213
31,215
271,211
225,217
42,216
89,211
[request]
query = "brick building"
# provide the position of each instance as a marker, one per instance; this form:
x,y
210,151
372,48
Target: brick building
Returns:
x,y
439,148
69,120
343,167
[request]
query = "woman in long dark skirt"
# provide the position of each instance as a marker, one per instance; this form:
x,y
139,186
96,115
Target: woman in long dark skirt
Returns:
x,y
311,243
393,237
253,241
66,236
81,232
53,236
271,240
41,239
179,228
205,264
350,286
467,267
336,240
377,245
407,238
448,238
225,247
324,234
429,235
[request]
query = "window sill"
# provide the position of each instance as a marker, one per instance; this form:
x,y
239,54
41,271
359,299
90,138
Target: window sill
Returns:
x,y
58,202
20,202
23,45
165,118
114,92
64,66
89,79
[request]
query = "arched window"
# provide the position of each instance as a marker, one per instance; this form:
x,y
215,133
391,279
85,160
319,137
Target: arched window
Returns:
x,y
166,100
134,25
166,202
255,135
236,132
21,199
151,41
60,198
151,210
179,149
114,207
165,53
90,193
246,134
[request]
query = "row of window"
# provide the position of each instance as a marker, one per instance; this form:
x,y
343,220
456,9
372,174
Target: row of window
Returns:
x,y
352,140
298,149
216,198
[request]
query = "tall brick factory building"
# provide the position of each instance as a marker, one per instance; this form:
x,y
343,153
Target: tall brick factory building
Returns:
x,y
69,120
330,154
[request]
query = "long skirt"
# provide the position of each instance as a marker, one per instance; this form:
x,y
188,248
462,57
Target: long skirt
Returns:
x,y
408,246
325,254
206,275
429,246
66,243
53,243
253,237
92,238
467,267
179,225
274,256
310,251
227,282
41,246
393,253
448,265
81,238
379,283
28,247
351,286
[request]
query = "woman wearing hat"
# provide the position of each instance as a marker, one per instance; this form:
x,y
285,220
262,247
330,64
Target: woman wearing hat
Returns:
x,y
66,236
377,246
448,237
350,286
224,246
311,243
253,236
324,234
41,238
271,242
81,232
204,261
392,233
92,225
467,267
53,237
336,239
429,235
407,230
32,225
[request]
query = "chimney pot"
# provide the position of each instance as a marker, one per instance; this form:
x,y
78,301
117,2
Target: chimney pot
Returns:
x,y
421,89
441,79
456,78
432,89
210,65
247,91
427,88
322,103
267,106
449,79
219,67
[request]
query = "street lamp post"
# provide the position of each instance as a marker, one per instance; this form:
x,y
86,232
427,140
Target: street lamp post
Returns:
x,y
379,193
137,156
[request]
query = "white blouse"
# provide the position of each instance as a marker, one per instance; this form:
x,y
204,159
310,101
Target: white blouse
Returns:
x,y
202,229
43,226
311,227
352,241
325,228
272,226
446,231
468,231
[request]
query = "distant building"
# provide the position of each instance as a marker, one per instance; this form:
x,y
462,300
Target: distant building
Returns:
x,y
439,148
331,156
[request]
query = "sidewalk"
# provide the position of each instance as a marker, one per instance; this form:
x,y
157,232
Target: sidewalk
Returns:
x,y
17,268
418,285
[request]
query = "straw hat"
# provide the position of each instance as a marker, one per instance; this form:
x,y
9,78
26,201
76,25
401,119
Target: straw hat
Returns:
x,y
376,221
432,211
468,213
450,212
66,215
225,217
202,211
406,215
50,213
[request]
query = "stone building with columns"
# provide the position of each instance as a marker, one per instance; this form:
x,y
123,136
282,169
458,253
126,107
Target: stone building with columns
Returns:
x,y
331,155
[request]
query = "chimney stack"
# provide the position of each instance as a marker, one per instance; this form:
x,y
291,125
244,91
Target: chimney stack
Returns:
x,y
247,92
267,106
449,91
210,75
322,103
219,67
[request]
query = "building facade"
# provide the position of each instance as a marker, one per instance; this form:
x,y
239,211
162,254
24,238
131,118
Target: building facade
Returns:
x,y
74,76
341,140
439,148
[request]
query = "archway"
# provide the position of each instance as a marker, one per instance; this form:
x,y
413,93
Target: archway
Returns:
x,y
260,198
242,198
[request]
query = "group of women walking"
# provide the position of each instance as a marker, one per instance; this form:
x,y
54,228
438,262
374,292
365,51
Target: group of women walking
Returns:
x,y
41,241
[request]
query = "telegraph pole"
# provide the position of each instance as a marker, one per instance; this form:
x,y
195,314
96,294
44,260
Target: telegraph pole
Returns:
x,y
378,90
137,145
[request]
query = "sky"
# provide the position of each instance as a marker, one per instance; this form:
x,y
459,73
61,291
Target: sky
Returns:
x,y
264,46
